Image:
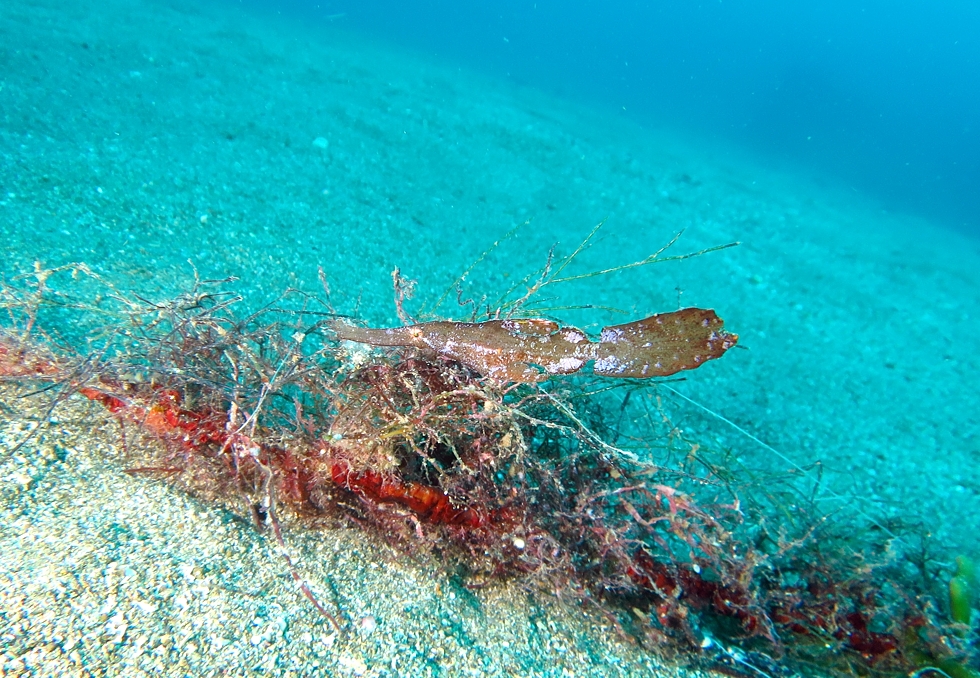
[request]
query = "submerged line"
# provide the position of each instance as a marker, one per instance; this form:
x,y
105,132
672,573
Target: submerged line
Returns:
x,y
782,456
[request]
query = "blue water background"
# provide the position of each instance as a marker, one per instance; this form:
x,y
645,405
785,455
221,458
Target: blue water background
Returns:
x,y
882,97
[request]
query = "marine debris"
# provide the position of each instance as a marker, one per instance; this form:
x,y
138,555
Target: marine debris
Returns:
x,y
452,443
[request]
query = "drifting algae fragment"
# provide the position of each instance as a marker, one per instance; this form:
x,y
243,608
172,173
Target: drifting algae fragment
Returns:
x,y
508,350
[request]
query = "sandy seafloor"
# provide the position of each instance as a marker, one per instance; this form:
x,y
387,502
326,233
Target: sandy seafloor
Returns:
x,y
135,136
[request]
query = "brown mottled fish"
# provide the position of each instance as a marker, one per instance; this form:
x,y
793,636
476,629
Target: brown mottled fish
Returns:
x,y
508,350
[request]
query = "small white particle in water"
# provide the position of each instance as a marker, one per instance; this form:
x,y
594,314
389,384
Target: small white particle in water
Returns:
x,y
321,142
519,543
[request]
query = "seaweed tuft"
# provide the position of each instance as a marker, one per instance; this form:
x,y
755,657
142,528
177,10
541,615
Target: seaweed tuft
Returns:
x,y
570,484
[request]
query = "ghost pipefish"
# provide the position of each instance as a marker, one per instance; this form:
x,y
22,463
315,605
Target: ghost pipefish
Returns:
x,y
508,350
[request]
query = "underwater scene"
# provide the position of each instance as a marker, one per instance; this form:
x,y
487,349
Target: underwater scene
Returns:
x,y
501,339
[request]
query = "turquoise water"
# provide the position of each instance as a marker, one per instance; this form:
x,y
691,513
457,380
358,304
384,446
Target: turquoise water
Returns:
x,y
151,139
882,95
